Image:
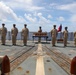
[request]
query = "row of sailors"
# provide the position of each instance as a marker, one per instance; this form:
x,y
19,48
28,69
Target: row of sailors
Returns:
x,y
14,32
54,34
25,32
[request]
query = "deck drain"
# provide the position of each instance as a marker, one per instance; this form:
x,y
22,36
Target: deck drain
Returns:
x,y
27,71
48,60
19,68
50,69
69,54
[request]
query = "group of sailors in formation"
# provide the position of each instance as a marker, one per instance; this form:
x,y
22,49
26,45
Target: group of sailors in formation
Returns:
x,y
54,33
25,33
14,32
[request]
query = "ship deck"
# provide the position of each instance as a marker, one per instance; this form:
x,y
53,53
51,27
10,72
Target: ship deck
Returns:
x,y
39,58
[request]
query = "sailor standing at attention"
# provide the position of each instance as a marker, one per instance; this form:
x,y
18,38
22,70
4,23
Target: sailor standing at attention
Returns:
x,y
54,34
39,31
65,36
25,33
3,34
14,32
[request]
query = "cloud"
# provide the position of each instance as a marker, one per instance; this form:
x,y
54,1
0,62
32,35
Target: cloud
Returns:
x,y
39,14
26,5
37,18
21,19
25,1
49,16
43,20
35,8
61,19
68,7
53,4
30,18
6,13
73,18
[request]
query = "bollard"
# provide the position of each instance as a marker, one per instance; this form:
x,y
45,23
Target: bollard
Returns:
x,y
73,66
1,58
5,65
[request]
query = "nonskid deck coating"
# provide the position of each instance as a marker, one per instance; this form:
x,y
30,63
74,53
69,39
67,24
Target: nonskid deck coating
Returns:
x,y
41,63
12,50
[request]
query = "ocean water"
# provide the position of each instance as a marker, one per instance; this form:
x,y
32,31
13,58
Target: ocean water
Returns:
x,y
60,35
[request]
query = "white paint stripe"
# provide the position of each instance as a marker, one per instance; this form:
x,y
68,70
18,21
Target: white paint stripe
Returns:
x,y
40,63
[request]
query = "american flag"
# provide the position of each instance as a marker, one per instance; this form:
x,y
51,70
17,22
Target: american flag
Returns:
x,y
59,28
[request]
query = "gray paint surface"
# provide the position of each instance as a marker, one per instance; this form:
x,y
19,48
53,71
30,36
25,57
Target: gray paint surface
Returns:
x,y
28,67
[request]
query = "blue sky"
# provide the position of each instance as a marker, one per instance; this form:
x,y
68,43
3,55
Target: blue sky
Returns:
x,y
34,13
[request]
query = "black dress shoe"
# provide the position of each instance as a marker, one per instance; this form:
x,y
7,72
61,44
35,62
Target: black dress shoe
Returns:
x,y
2,44
14,44
25,45
65,45
53,45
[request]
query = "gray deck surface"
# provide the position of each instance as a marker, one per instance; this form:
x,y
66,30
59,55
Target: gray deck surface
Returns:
x,y
28,66
70,50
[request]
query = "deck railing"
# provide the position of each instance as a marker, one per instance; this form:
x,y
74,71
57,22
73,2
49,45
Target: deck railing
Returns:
x,y
60,35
